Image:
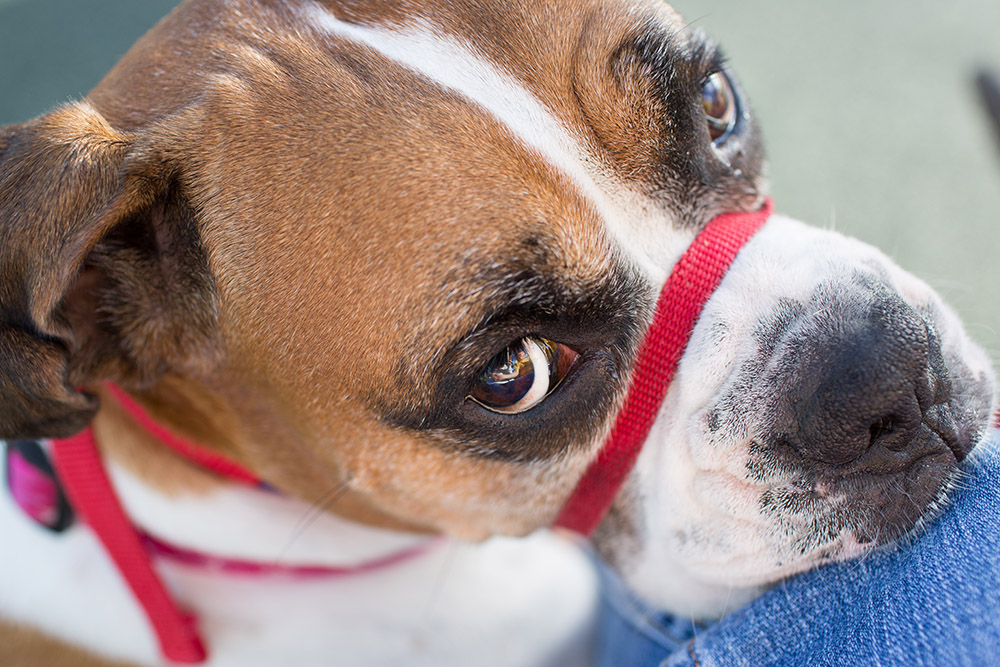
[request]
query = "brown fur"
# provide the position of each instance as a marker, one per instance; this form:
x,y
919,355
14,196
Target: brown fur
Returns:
x,y
289,298
23,647
279,246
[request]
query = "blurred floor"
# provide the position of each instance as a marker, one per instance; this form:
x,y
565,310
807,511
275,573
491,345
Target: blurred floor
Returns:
x,y
873,126
871,121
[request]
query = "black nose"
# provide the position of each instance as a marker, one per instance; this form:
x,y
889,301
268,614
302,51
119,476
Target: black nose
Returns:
x,y
867,373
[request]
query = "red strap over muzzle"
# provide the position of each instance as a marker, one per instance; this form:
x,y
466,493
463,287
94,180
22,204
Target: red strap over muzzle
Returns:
x,y
695,277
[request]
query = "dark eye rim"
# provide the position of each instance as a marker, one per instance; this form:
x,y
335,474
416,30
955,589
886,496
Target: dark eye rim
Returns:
x,y
565,421
733,127
566,418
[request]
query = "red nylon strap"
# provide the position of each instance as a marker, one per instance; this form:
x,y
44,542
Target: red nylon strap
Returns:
x,y
693,280
81,471
187,449
78,463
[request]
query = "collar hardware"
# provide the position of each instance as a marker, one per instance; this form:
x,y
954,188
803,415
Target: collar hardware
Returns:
x,y
35,487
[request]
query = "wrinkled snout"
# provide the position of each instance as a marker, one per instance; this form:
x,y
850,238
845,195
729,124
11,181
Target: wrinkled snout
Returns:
x,y
821,409
867,383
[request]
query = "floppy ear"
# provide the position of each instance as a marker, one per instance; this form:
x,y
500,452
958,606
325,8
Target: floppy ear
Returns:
x,y
101,273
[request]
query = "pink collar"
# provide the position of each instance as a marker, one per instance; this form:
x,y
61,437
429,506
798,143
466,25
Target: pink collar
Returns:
x,y
234,566
88,489
79,465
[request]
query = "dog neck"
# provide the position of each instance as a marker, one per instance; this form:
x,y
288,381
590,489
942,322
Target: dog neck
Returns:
x,y
79,466
259,450
244,523
175,497
417,582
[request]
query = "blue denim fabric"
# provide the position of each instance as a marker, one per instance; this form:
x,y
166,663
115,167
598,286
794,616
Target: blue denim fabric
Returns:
x,y
935,601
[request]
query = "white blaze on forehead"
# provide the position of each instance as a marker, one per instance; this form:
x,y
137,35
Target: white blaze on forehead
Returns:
x,y
644,232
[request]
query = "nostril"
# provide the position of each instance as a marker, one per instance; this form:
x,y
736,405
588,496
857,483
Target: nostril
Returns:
x,y
881,428
861,374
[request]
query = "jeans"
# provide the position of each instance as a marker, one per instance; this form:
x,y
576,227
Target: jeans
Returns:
x,y
934,601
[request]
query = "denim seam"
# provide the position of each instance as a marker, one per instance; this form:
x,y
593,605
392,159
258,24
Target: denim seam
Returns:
x,y
691,652
640,617
643,623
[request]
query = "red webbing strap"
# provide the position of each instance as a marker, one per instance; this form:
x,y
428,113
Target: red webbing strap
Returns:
x,y
191,451
82,474
693,280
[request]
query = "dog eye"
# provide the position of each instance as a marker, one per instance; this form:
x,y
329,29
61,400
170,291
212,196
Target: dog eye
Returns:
x,y
521,376
719,102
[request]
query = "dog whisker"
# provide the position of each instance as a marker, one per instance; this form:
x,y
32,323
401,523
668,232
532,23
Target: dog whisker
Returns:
x,y
441,579
324,503
689,25
729,598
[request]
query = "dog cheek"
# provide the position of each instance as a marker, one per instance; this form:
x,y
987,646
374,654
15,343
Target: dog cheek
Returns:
x,y
620,539
418,480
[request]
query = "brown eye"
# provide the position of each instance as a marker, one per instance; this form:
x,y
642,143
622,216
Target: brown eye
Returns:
x,y
719,102
521,376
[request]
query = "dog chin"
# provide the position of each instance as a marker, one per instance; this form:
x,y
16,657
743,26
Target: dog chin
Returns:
x,y
729,495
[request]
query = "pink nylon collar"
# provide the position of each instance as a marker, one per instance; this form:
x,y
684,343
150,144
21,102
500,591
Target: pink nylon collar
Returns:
x,y
692,281
88,488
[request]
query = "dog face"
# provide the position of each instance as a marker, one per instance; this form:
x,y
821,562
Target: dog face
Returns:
x,y
409,251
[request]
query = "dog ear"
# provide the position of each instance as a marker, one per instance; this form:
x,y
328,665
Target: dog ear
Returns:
x,y
102,276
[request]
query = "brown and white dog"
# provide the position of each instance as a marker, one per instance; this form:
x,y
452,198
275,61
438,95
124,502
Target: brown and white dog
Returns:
x,y
313,234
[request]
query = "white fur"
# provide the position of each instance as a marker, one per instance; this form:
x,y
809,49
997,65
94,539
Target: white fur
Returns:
x,y
505,602
640,227
292,534
694,483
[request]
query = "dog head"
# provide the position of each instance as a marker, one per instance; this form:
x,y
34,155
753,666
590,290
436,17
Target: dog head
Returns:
x,y
411,250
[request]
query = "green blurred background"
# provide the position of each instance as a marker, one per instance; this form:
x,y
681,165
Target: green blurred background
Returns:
x,y
872,123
